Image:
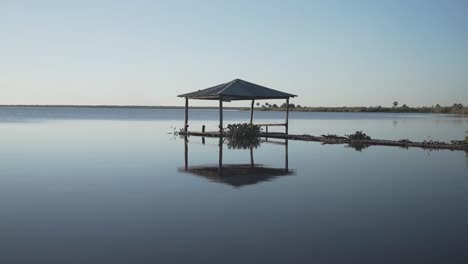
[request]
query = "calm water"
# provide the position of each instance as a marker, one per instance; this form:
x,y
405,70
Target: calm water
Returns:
x,y
116,186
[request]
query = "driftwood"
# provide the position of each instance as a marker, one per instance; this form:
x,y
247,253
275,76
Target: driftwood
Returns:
x,y
375,142
332,139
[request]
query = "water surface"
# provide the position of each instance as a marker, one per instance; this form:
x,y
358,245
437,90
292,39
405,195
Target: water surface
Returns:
x,y
110,186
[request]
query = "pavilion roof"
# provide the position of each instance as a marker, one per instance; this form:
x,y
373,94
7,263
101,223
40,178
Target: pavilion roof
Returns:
x,y
237,90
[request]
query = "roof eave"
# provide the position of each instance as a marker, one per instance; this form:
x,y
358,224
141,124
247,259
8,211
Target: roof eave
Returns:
x,y
230,97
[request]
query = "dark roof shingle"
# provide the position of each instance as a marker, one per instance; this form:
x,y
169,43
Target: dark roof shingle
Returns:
x,y
237,90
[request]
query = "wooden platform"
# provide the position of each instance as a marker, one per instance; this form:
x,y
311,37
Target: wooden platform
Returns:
x,y
342,140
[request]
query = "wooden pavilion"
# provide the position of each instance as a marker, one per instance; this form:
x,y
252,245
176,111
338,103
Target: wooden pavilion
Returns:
x,y
237,90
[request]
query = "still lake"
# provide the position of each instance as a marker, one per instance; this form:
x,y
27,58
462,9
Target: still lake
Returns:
x,y
108,185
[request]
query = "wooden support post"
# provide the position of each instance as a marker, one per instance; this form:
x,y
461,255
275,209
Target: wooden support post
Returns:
x,y
186,115
252,112
186,152
220,166
287,116
251,157
203,131
221,116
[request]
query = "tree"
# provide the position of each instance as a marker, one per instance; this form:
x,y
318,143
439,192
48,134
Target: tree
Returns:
x,y
275,106
258,104
457,108
395,104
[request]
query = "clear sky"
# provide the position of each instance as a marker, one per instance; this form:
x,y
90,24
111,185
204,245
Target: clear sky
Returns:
x,y
330,53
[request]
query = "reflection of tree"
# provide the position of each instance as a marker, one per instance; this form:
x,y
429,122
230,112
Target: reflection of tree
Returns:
x,y
358,146
241,143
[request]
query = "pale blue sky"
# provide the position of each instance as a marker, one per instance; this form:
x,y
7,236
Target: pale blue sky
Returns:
x,y
330,53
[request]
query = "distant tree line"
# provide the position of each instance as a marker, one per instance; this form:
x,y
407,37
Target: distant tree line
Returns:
x,y
456,108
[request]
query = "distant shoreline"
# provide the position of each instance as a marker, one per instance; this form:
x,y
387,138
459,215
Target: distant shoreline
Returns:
x,y
123,106
429,110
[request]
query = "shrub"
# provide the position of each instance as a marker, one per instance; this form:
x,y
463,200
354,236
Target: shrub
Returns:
x,y
244,131
359,135
242,136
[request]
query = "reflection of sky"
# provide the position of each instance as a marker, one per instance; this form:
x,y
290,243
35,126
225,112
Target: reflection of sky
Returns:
x,y
111,188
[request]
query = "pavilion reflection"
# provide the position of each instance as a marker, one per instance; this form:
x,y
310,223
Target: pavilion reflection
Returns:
x,y
238,175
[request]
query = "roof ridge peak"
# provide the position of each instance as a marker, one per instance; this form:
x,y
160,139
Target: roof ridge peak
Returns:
x,y
228,85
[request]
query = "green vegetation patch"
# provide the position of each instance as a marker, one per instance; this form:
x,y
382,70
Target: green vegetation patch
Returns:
x,y
242,136
358,135
244,130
